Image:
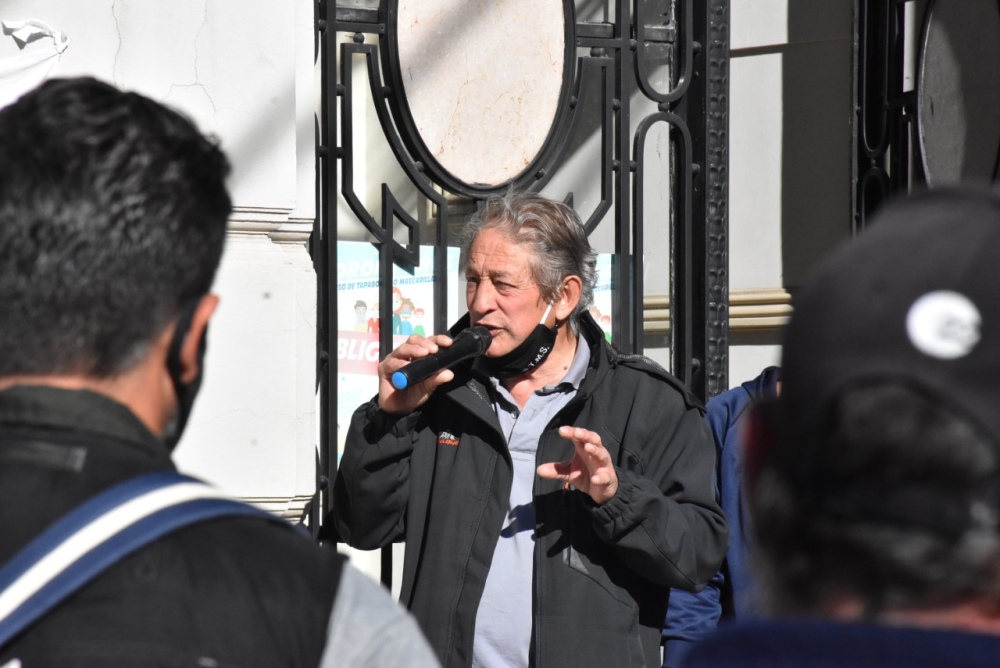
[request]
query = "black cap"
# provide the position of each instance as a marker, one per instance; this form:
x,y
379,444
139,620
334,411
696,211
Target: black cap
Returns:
x,y
916,299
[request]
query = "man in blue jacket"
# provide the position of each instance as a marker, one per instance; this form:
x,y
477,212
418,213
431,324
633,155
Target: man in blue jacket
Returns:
x,y
732,592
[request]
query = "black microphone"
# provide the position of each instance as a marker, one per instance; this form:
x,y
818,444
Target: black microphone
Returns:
x,y
468,343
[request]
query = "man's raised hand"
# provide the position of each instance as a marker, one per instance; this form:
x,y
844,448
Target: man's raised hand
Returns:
x,y
591,470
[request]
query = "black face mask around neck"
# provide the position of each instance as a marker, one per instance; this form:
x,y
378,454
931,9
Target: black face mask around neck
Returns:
x,y
186,392
525,357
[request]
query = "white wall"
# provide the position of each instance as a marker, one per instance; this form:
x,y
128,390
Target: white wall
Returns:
x,y
790,152
244,72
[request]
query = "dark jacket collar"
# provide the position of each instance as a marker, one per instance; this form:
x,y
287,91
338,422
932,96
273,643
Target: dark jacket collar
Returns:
x,y
78,411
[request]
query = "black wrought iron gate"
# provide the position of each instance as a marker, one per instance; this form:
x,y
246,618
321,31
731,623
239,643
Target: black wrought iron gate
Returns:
x,y
926,97
617,56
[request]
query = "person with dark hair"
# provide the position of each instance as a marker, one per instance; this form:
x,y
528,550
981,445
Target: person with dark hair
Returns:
x,y
113,213
550,491
360,315
873,477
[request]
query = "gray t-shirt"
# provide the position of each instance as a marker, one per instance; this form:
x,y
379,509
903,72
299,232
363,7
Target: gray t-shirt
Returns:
x,y
504,618
369,630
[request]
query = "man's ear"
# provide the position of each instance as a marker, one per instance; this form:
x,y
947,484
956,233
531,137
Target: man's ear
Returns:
x,y
569,297
189,356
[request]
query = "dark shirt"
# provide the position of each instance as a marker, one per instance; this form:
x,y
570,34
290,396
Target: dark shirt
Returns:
x,y
230,591
816,644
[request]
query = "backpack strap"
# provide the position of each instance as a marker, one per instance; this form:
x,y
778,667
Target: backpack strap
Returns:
x,y
95,535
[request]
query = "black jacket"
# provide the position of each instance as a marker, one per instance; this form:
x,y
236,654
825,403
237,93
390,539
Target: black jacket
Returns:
x,y
440,479
226,592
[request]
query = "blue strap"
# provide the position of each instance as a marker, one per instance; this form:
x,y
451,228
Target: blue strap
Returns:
x,y
199,503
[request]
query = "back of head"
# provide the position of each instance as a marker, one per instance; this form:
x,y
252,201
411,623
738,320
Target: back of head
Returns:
x,y
113,211
553,234
879,487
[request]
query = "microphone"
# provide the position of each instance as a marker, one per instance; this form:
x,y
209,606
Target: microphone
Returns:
x,y
468,343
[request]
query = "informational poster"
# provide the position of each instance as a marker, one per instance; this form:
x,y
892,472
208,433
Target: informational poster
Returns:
x,y
358,317
603,294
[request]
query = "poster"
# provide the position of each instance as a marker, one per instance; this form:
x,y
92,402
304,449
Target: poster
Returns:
x,y
603,294
358,317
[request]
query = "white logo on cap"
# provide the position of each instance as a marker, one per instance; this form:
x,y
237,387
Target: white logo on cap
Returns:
x,y
943,324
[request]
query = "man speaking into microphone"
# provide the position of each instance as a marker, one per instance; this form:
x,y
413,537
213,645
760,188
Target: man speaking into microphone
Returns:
x,y
550,490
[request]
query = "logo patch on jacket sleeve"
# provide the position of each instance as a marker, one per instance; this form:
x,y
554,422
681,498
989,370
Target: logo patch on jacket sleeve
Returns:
x,y
447,438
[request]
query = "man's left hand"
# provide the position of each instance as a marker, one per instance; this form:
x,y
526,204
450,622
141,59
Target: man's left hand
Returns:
x,y
590,471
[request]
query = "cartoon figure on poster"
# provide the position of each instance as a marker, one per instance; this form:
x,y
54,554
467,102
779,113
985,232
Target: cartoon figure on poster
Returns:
x,y
397,310
360,312
405,314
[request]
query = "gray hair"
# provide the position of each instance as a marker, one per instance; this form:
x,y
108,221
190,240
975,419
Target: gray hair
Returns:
x,y
552,233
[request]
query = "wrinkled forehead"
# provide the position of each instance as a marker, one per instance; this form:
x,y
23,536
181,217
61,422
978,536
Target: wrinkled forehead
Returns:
x,y
495,254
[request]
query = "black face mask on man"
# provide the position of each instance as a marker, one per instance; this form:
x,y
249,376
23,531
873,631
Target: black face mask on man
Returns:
x,y
529,354
186,392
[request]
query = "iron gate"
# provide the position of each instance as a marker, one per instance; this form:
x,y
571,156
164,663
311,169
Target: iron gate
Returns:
x,y
926,93
615,57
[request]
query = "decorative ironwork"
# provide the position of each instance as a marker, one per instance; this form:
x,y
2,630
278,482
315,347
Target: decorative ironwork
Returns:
x,y
907,54
871,92
883,132
608,65
716,211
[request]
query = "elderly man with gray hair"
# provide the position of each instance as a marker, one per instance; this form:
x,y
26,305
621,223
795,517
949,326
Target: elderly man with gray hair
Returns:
x,y
550,491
